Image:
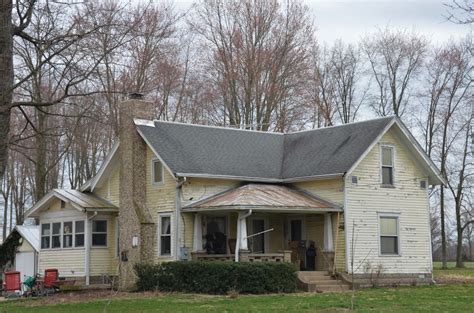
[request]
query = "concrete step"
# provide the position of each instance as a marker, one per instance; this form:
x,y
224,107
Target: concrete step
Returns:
x,y
313,273
331,282
328,288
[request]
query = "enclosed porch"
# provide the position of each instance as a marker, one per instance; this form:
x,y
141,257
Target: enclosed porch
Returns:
x,y
266,223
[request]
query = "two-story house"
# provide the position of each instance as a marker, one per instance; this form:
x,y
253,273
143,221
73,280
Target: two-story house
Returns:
x,y
357,194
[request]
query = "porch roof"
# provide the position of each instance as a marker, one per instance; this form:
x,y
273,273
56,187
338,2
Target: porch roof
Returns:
x,y
264,197
82,201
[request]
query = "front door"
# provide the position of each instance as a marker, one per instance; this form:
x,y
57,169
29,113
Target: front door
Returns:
x,y
258,242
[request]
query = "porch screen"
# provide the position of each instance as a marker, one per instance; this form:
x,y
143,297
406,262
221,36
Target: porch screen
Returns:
x,y
388,235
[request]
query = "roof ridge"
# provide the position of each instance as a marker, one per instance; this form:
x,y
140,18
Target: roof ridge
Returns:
x,y
142,122
342,125
216,127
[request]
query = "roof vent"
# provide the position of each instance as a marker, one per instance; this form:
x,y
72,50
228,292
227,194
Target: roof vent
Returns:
x,y
135,96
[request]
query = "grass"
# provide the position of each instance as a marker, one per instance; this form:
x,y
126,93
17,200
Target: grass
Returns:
x,y
448,298
453,274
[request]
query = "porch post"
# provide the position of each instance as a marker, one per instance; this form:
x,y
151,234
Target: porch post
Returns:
x,y
243,232
197,237
87,254
328,242
241,242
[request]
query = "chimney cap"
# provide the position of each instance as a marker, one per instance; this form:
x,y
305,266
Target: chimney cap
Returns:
x,y
136,96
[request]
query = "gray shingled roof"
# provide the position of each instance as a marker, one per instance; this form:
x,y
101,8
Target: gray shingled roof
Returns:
x,y
204,150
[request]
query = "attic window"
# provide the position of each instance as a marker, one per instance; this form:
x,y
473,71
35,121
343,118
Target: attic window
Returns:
x,y
387,165
354,179
157,172
63,204
423,184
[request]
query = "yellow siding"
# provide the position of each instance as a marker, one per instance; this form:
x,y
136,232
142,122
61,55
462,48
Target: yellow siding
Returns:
x,y
160,198
111,189
339,242
331,189
105,260
197,189
367,198
315,232
25,247
276,237
69,262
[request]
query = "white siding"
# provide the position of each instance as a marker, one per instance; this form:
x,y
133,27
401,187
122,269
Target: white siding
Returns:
x,y
366,199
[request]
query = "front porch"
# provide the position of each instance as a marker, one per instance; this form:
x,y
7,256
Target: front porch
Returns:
x,y
266,223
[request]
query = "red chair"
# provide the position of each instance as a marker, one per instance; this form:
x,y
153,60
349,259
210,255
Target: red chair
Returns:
x,y
12,283
50,277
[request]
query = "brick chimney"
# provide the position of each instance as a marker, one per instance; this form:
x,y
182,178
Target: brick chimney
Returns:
x,y
136,227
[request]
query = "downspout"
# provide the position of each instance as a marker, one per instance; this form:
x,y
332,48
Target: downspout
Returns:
x,y
87,265
179,184
346,225
239,232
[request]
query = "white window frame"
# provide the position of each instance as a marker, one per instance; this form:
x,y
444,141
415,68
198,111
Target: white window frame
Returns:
x,y
41,236
162,181
72,233
60,235
379,235
392,147
303,227
159,230
81,233
106,233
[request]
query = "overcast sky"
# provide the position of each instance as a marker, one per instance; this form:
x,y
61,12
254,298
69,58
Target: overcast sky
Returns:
x,y
351,19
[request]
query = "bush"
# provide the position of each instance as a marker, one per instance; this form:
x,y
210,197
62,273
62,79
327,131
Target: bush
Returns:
x,y
217,277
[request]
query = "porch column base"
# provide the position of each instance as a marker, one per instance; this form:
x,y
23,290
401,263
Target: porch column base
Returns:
x,y
244,255
286,255
195,255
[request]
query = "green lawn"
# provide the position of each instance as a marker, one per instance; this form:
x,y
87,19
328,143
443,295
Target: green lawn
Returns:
x,y
453,274
449,298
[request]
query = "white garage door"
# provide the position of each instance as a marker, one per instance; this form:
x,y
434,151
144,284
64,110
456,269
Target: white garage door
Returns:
x,y
25,264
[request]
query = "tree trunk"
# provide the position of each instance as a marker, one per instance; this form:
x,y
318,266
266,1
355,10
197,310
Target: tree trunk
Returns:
x,y
6,81
459,229
443,231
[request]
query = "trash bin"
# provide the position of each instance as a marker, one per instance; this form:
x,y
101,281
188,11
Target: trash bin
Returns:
x,y
311,257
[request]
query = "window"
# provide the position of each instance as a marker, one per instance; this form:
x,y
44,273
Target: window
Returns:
x,y
157,172
389,235
79,234
63,204
67,234
387,166
296,230
56,236
165,235
99,233
423,184
45,236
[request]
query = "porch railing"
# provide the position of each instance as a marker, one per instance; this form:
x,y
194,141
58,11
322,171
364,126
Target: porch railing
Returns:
x,y
245,256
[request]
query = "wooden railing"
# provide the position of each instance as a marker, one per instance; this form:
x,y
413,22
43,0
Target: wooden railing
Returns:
x,y
245,256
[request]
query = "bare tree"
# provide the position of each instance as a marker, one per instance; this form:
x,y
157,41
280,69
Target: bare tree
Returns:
x,y
460,11
448,94
255,54
395,58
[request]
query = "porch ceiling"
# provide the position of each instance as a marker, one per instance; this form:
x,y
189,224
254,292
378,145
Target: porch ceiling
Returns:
x,y
264,197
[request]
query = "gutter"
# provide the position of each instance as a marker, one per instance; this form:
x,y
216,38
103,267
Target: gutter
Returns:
x,y
262,179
